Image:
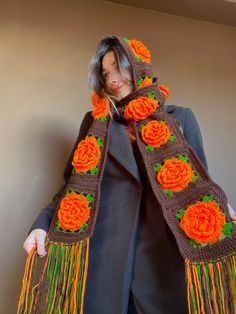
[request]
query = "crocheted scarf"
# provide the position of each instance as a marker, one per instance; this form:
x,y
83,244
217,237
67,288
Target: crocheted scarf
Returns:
x,y
194,207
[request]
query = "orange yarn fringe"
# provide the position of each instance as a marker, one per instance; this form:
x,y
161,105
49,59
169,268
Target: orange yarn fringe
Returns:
x,y
56,283
211,287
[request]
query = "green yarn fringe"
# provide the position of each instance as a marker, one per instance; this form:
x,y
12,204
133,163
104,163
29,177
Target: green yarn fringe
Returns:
x,y
56,282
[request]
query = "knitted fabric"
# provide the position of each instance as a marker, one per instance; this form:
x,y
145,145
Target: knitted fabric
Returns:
x,y
194,207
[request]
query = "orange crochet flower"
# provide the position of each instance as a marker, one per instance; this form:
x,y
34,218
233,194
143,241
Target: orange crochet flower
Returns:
x,y
140,50
165,90
203,222
140,108
175,175
155,133
87,154
101,106
145,82
73,212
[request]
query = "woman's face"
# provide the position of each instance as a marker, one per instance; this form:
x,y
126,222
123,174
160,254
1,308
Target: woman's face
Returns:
x,y
114,84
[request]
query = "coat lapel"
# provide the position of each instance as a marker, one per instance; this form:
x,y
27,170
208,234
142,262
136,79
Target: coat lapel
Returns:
x,y
121,149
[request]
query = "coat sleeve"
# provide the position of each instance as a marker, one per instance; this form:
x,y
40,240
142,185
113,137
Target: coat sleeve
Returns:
x,y
193,135
44,218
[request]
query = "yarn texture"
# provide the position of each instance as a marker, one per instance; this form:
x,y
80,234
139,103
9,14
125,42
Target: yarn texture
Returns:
x,y
194,207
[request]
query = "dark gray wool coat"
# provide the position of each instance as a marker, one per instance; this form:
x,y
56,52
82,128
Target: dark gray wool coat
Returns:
x,y
134,262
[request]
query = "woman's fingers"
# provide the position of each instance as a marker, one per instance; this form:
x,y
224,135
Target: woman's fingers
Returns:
x,y
36,238
40,239
232,213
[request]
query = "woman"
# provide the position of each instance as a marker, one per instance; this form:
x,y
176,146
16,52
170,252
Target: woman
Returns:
x,y
134,263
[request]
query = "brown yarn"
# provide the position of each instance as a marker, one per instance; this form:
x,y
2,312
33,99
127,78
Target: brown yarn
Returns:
x,y
88,183
210,269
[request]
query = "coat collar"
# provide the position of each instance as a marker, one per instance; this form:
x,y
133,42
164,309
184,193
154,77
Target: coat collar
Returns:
x,y
121,149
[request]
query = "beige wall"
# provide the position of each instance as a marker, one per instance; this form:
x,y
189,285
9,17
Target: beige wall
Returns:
x,y
45,47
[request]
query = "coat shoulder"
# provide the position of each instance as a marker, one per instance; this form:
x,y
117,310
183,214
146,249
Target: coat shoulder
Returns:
x,y
173,109
178,112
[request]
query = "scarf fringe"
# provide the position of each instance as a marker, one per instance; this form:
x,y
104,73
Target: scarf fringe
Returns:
x,y
211,287
56,283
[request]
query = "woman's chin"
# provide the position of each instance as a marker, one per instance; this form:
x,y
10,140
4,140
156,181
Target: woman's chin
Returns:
x,y
118,97
121,96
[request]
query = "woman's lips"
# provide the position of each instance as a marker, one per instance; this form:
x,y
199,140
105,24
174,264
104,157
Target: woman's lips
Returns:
x,y
117,89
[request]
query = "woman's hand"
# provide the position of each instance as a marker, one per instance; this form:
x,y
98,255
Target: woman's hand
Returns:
x,y
36,237
232,213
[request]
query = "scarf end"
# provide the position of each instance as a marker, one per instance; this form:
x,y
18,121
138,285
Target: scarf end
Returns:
x,y
56,283
211,286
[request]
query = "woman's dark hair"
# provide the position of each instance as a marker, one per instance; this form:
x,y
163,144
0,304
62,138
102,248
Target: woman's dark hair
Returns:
x,y
96,79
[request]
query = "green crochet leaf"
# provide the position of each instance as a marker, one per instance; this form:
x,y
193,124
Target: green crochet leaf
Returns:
x,y
172,138
140,81
168,192
180,213
137,58
157,167
73,170
85,225
94,170
183,158
68,192
58,227
149,148
194,179
103,119
227,229
207,198
195,244
99,141
89,198
126,39
140,127
151,95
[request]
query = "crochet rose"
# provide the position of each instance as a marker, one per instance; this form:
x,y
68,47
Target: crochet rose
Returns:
x,y
87,154
140,108
73,212
101,106
175,175
145,82
140,50
165,90
203,222
155,133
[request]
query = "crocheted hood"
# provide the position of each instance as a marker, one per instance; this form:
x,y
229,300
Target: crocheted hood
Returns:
x,y
136,52
142,73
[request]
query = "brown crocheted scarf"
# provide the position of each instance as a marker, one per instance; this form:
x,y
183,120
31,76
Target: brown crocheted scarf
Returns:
x,y
194,207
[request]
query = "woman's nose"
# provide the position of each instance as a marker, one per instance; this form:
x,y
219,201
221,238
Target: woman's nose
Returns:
x,y
115,77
